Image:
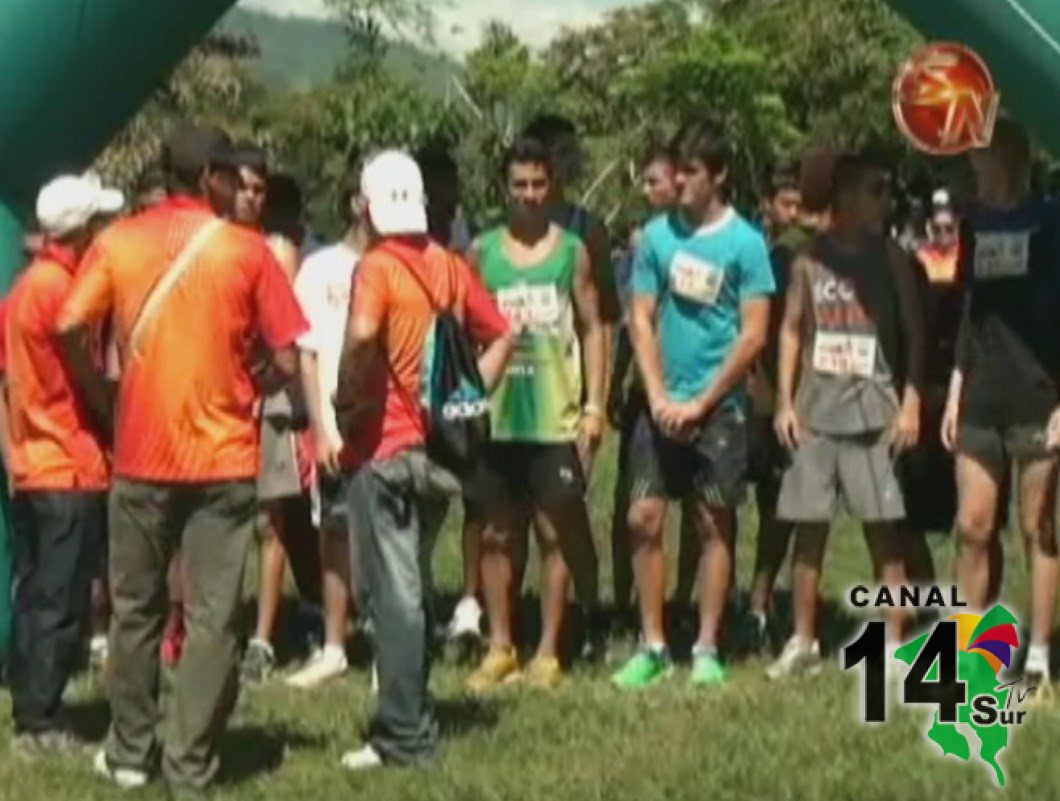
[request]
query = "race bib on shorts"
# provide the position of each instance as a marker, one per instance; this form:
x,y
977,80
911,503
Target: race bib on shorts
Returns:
x,y
1002,255
696,280
534,307
844,354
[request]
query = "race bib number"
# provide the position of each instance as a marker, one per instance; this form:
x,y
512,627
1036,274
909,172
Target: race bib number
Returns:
x,y
530,306
844,354
1002,255
696,280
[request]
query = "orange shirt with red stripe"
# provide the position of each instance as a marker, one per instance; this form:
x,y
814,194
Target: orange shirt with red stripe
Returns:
x,y
186,397
54,446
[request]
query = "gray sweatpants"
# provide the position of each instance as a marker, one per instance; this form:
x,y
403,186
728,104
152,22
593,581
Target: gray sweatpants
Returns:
x,y
397,506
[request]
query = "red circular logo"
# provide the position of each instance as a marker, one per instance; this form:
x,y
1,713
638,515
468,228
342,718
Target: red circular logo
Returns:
x,y
944,100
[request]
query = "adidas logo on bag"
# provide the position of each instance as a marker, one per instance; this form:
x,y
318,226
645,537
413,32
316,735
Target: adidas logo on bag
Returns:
x,y
465,410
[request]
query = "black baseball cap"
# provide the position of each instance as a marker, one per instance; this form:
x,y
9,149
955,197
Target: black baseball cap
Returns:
x,y
191,149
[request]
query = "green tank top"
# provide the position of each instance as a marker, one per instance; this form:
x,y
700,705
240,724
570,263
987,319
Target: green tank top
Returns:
x,y
539,397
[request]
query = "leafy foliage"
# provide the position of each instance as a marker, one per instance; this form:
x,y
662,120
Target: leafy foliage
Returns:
x,y
776,75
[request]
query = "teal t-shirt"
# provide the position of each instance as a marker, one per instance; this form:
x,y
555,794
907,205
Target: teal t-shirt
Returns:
x,y
700,278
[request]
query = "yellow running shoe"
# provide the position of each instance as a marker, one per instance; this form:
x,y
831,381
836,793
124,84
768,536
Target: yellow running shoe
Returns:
x,y
500,666
544,673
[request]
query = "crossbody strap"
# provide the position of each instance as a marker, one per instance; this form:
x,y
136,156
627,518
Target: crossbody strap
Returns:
x,y
410,270
168,282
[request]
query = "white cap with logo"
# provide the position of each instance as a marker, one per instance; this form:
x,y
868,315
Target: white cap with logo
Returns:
x,y
69,202
392,186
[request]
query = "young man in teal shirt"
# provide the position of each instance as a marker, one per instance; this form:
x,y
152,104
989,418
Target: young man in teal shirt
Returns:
x,y
701,287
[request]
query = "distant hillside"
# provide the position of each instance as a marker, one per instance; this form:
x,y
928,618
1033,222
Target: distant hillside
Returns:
x,y
298,52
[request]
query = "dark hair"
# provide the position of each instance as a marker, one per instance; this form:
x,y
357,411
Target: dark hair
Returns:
x,y
435,159
526,150
252,158
283,205
655,153
547,128
1013,143
850,169
702,141
816,170
782,178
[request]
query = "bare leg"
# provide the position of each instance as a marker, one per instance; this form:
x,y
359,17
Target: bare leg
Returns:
x,y
716,526
1037,509
555,578
621,556
335,558
977,529
273,564
472,549
647,517
774,537
810,540
689,555
498,573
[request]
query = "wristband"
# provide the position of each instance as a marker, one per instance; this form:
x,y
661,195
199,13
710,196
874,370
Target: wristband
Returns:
x,y
592,410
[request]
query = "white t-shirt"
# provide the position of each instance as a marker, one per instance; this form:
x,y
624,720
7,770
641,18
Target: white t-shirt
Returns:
x,y
322,287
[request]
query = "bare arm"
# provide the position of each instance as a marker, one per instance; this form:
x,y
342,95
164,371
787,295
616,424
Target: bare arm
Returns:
x,y
493,360
594,344
646,347
5,429
910,311
754,329
791,334
97,392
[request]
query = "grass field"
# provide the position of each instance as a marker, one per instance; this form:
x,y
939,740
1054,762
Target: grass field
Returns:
x,y
750,739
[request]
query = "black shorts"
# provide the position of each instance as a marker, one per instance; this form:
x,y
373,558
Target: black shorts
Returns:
x,y
527,475
712,468
998,448
333,504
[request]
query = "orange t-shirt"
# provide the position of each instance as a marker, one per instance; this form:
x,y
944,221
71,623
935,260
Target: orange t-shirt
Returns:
x,y
186,400
385,292
54,446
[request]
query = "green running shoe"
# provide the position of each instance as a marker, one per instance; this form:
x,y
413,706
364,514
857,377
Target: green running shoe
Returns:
x,y
644,669
707,670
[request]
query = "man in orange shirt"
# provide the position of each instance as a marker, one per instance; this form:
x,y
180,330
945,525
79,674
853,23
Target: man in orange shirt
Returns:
x,y
57,465
190,295
397,495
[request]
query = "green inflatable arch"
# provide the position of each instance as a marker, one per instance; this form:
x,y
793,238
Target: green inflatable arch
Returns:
x,y
71,73
75,70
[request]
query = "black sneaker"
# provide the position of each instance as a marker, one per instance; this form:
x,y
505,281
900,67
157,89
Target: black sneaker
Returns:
x,y
258,663
596,635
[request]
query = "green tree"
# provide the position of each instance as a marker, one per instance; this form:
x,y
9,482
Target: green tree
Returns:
x,y
835,61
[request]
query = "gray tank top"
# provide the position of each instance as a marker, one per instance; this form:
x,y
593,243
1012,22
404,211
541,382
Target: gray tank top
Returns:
x,y
851,347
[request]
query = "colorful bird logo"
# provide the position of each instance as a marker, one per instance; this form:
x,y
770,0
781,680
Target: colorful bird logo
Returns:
x,y
993,636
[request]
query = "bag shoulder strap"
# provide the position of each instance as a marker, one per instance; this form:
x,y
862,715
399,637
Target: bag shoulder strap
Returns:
x,y
412,271
166,284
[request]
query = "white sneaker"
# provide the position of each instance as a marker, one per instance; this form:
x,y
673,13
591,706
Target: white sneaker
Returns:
x,y
98,649
327,664
125,778
467,619
797,659
365,759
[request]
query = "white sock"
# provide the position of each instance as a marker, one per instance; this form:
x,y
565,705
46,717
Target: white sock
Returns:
x,y
1038,656
334,652
261,644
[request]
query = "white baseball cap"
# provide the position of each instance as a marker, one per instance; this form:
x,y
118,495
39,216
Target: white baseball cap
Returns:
x,y
392,186
69,202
